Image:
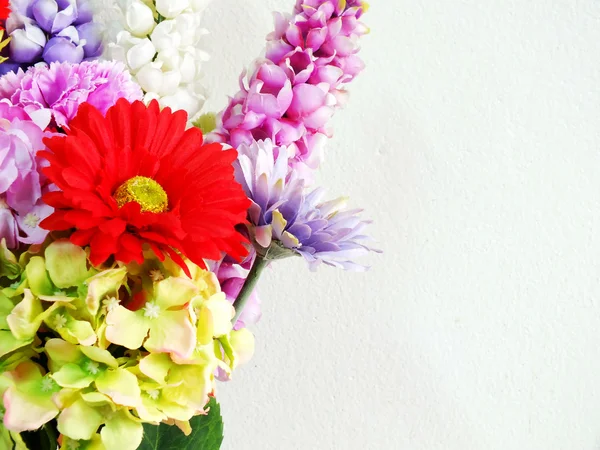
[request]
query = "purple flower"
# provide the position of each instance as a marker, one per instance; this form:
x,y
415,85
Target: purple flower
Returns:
x,y
52,30
61,87
285,221
290,96
21,183
232,276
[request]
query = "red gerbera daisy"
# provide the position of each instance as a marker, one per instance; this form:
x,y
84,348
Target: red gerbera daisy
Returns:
x,y
137,176
4,10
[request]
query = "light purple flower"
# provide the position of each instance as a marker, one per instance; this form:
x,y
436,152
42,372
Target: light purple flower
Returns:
x,y
284,220
312,54
61,87
232,276
51,30
21,183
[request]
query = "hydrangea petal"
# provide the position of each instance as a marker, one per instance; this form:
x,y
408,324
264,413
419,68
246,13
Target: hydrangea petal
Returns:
x,y
121,386
79,421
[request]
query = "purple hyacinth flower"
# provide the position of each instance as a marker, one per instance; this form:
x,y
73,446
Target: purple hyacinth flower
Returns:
x,y
54,15
91,33
284,220
63,49
26,44
51,30
85,12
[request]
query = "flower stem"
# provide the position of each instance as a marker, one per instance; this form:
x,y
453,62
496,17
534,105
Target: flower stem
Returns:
x,y
240,302
51,433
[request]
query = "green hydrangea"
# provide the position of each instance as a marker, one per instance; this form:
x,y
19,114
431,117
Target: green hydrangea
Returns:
x,y
104,350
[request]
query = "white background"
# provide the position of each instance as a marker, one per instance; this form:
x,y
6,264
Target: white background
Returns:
x,y
473,141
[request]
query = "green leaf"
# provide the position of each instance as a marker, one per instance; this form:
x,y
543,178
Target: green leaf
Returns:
x,y
207,433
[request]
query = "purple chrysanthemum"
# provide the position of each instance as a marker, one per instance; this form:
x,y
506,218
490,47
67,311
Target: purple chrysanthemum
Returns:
x,y
284,220
61,87
290,96
51,31
21,183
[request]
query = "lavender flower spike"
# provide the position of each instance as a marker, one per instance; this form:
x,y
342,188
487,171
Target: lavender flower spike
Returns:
x,y
284,221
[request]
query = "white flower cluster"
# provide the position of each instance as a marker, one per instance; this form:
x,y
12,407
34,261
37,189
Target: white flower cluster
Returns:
x,y
158,41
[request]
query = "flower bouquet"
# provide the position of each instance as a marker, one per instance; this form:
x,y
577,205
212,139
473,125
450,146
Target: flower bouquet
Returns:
x,y
134,227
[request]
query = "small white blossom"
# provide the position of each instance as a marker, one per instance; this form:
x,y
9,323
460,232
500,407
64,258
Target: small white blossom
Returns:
x,y
151,310
110,303
31,220
60,321
92,367
154,394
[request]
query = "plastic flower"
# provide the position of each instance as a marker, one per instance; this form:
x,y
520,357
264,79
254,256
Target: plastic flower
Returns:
x,y
163,325
99,400
139,177
4,9
51,30
285,221
28,397
60,88
290,95
21,183
160,43
231,277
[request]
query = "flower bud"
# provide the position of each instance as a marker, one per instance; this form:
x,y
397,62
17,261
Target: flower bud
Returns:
x,y
140,19
27,45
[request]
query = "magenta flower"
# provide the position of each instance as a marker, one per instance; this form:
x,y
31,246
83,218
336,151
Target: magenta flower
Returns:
x,y
61,87
21,183
290,96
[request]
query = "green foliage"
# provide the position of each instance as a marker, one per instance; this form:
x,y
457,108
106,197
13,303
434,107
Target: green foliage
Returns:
x,y
207,433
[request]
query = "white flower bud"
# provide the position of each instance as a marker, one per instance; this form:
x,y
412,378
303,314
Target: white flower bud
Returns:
x,y
170,58
140,19
150,78
187,68
171,82
171,8
184,98
165,36
140,54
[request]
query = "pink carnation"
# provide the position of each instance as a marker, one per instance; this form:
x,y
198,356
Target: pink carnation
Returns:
x,y
61,87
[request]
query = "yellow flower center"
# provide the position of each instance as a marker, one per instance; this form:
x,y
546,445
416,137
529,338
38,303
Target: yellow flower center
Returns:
x,y
145,192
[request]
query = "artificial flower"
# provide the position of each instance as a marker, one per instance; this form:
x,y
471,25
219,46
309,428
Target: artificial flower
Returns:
x,y
21,182
162,53
232,277
139,177
60,88
290,95
4,9
285,221
51,30
166,375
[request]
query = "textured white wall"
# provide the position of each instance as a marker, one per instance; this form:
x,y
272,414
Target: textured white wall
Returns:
x,y
473,139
